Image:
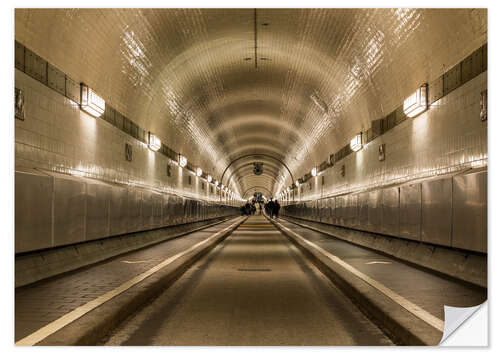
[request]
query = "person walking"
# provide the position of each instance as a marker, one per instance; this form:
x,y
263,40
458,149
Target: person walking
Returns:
x,y
276,208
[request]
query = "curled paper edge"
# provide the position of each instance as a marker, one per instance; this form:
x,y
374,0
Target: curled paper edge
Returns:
x,y
454,317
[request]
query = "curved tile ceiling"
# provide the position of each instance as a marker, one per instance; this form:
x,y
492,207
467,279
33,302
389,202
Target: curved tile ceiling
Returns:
x,y
192,77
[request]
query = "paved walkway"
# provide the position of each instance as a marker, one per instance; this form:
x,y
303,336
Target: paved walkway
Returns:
x,y
425,289
38,304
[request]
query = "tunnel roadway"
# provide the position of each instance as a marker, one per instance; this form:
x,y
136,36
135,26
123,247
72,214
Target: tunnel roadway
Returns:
x,y
255,288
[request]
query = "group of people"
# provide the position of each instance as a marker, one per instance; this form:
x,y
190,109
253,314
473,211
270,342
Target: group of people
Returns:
x,y
272,208
248,209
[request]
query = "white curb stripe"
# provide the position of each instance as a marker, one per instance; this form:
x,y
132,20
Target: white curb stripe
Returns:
x,y
408,305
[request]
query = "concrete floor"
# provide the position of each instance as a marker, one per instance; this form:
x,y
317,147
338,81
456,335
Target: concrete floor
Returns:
x,y
253,289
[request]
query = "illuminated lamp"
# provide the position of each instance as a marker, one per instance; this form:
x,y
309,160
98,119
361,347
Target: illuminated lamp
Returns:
x,y
416,103
154,142
356,143
222,186
199,171
91,102
297,183
314,171
216,183
209,178
182,161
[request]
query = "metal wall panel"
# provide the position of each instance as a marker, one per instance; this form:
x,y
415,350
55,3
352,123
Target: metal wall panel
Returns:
x,y
134,200
35,66
467,69
97,217
56,79
33,206
452,79
352,210
166,210
19,56
157,202
470,212
185,210
331,210
390,211
69,211
118,210
147,209
342,210
410,211
179,210
374,210
363,210
72,90
436,211
436,90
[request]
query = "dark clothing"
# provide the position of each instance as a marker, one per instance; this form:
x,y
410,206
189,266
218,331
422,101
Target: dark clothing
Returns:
x,y
276,209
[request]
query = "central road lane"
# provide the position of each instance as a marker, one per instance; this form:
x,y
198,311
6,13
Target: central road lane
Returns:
x,y
255,288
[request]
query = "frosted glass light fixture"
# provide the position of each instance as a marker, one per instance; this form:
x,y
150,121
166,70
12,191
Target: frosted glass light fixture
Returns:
x,y
356,143
182,161
154,142
91,102
314,171
199,171
216,183
209,178
297,183
416,103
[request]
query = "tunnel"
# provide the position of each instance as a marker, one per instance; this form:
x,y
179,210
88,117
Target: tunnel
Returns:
x,y
248,177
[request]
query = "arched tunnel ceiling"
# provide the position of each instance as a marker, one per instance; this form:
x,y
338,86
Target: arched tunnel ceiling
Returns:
x,y
189,75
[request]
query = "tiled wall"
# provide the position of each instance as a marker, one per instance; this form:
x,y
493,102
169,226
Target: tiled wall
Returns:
x,y
448,137
57,136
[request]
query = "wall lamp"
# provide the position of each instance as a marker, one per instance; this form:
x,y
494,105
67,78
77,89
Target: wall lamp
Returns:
x,y
182,161
297,183
209,178
314,171
416,103
154,142
356,143
199,172
91,102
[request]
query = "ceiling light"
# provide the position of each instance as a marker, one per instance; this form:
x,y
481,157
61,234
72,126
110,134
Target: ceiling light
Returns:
x,y
154,142
91,102
416,103
356,143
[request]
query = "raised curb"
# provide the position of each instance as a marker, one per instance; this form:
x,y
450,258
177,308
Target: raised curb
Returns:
x,y
92,327
36,266
468,267
402,326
